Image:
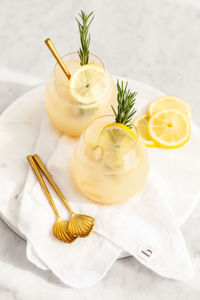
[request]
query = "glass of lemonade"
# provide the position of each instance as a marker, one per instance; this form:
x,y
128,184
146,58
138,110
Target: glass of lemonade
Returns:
x,y
110,162
72,103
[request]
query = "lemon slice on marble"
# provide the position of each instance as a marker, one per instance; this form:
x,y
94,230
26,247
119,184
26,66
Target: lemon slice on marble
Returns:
x,y
169,128
142,123
169,102
88,84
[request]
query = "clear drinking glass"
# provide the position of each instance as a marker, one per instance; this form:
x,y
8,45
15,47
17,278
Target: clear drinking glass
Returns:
x,y
106,174
64,109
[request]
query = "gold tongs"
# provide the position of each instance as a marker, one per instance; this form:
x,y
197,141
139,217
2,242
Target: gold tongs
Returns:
x,y
78,225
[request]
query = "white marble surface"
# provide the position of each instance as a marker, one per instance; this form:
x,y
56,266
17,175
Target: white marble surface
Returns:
x,y
153,41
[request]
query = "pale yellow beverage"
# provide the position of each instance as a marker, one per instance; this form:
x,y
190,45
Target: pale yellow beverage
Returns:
x,y
110,162
90,92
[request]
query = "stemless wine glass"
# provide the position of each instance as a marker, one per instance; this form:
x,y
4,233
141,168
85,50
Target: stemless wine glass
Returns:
x,y
110,162
90,92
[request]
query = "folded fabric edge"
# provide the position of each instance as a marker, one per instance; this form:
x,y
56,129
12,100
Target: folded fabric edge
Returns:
x,y
34,258
62,279
185,275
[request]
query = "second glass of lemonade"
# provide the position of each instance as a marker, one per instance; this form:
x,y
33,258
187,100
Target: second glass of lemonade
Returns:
x,y
110,162
72,103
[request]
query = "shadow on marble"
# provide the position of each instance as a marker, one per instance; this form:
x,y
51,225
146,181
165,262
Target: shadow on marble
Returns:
x,y
13,251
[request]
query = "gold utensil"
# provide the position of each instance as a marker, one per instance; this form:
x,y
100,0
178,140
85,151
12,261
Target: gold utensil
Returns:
x,y
53,50
60,230
78,225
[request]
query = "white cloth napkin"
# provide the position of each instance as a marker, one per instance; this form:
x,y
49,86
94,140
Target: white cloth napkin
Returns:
x,y
144,226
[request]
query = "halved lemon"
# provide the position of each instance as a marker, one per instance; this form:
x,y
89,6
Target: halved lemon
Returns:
x,y
169,102
116,141
142,123
169,128
88,84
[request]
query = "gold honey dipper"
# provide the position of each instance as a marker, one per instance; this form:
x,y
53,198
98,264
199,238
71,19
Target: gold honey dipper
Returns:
x,y
78,225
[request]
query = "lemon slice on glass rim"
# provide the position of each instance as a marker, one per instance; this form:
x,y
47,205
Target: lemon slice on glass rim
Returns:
x,y
116,140
117,137
88,84
170,128
142,123
169,102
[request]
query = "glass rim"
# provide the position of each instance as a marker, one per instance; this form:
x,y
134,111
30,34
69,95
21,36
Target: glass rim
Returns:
x,y
120,171
106,116
76,53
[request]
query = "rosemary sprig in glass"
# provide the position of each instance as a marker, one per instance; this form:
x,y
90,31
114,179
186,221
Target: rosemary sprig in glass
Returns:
x,y
83,26
125,108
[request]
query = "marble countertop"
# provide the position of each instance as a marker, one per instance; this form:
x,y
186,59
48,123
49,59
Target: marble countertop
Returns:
x,y
156,42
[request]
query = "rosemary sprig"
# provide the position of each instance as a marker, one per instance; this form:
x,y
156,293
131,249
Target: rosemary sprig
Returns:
x,y
83,51
126,101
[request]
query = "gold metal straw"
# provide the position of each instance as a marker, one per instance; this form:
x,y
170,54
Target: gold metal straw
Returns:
x,y
53,50
60,230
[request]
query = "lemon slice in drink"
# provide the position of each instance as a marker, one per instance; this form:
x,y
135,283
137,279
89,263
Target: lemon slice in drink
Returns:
x,y
142,122
116,141
169,128
117,137
169,102
88,84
